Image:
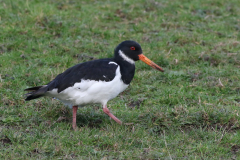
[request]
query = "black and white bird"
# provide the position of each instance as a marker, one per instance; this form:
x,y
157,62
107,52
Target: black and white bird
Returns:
x,y
96,81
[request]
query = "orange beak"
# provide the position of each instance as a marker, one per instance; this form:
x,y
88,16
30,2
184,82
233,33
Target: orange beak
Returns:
x,y
149,62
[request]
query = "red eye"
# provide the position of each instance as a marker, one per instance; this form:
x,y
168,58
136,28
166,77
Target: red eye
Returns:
x,y
132,48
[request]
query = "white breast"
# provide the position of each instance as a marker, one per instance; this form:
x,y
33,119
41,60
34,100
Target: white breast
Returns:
x,y
91,91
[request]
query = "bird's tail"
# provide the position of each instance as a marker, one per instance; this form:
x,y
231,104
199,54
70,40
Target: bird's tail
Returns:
x,y
35,92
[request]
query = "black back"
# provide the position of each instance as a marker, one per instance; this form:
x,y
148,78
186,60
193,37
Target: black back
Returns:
x,y
98,70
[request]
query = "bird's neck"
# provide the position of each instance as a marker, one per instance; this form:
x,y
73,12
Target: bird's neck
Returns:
x,y
127,69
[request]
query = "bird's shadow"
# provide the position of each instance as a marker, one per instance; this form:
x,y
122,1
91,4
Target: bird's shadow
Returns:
x,y
85,118
90,120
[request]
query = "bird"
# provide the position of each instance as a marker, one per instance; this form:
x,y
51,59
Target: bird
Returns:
x,y
96,81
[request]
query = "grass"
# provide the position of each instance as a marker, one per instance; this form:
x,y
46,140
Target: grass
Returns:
x,y
191,111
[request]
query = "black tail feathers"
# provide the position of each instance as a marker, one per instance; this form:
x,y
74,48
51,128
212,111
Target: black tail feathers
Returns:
x,y
33,88
35,92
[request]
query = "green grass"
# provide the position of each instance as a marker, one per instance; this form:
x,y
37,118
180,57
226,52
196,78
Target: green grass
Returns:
x,y
191,111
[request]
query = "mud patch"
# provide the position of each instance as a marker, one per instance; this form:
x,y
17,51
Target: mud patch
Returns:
x,y
5,140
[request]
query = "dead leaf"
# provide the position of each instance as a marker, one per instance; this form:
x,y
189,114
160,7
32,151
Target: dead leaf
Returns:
x,y
61,119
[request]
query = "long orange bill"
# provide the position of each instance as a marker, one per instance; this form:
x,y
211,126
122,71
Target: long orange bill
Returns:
x,y
149,62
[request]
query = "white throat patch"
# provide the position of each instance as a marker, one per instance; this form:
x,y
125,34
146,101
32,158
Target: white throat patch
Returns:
x,y
126,58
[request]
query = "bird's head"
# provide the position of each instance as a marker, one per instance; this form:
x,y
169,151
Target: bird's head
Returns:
x,y
131,51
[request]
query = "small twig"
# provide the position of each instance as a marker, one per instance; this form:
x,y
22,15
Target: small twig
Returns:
x,y
215,132
206,17
58,120
220,83
225,132
169,51
166,144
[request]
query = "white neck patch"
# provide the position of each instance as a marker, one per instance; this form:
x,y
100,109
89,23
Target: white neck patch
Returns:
x,y
126,58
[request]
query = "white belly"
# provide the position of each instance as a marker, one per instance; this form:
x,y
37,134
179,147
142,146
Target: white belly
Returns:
x,y
90,91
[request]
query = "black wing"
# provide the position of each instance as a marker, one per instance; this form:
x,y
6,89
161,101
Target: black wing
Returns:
x,y
98,70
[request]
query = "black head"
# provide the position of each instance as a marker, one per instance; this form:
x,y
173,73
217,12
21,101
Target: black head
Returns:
x,y
131,49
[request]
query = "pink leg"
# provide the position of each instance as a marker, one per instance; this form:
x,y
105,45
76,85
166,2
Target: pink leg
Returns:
x,y
106,110
74,125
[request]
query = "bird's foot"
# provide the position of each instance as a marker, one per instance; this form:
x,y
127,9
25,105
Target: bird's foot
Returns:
x,y
74,127
106,110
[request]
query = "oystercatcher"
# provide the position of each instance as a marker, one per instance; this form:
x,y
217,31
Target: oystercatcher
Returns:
x,y
96,81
